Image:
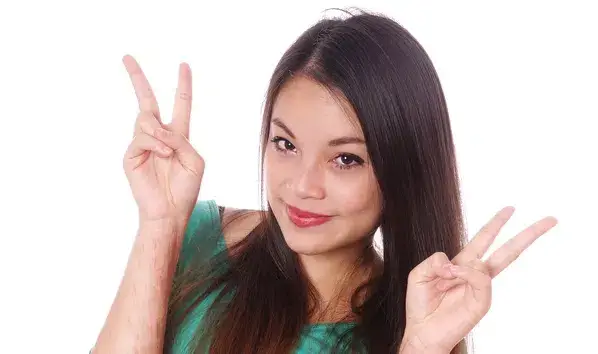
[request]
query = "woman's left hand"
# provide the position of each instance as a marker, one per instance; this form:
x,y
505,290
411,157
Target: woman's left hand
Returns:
x,y
447,298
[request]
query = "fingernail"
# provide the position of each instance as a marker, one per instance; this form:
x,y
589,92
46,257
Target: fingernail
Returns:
x,y
447,269
454,269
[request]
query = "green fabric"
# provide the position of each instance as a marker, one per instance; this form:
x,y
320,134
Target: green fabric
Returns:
x,y
203,238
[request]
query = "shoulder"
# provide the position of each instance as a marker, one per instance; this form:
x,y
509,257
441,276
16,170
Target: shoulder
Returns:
x,y
236,223
213,228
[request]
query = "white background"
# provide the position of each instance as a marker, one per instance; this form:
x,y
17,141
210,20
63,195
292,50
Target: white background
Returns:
x,y
520,80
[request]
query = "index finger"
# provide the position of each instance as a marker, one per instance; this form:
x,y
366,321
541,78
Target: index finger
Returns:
x,y
482,241
512,249
143,90
181,114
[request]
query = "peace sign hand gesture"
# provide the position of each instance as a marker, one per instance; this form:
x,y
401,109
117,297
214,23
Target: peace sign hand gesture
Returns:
x,y
162,167
446,299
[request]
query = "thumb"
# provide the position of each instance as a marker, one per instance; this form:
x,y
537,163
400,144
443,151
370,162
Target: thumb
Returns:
x,y
476,274
435,266
184,151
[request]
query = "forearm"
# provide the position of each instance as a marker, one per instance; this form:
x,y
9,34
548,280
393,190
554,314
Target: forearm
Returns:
x,y
136,321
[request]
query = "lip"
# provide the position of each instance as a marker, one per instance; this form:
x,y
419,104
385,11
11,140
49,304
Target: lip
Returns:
x,y
303,218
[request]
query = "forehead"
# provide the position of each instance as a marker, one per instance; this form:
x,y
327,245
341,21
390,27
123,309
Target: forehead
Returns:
x,y
304,105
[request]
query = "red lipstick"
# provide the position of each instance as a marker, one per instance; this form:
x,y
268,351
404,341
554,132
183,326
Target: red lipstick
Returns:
x,y
303,218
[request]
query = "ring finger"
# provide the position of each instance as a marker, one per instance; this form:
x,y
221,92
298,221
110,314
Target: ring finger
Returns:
x,y
146,123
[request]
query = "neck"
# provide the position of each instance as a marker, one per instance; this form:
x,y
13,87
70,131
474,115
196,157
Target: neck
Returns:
x,y
335,276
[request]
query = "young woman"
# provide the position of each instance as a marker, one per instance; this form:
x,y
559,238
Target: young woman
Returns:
x,y
356,137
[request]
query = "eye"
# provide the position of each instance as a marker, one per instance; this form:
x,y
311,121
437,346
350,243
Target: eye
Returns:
x,y
282,144
347,161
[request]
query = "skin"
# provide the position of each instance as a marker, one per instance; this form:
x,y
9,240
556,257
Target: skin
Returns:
x,y
164,173
445,298
309,171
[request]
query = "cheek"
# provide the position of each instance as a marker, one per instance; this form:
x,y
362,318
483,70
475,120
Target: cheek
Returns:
x,y
357,194
274,170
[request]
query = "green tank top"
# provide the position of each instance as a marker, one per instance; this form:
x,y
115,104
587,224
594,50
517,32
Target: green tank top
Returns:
x,y
203,238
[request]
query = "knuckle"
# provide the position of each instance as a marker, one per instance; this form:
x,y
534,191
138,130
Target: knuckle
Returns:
x,y
175,139
484,269
439,257
144,115
417,272
166,133
486,229
512,251
125,162
412,274
479,265
147,93
200,162
185,96
145,120
515,256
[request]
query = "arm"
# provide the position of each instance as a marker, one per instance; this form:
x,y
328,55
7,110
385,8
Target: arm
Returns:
x,y
136,321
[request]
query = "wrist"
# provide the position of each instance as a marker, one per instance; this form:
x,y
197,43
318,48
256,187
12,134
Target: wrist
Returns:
x,y
159,243
412,343
408,347
163,228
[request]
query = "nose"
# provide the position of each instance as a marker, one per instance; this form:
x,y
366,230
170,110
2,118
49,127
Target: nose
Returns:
x,y
309,183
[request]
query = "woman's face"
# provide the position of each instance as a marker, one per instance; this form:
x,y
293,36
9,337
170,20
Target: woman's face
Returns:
x,y
317,162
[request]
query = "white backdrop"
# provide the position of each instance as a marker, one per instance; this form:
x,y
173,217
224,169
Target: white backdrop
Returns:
x,y
520,80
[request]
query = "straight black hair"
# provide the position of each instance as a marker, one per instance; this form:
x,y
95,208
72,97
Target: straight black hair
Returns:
x,y
377,67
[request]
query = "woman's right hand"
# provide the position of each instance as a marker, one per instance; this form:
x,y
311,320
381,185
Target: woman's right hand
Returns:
x,y
162,167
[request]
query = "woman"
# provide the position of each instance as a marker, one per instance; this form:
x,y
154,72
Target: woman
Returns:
x,y
356,137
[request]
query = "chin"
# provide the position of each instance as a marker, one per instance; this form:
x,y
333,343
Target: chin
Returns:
x,y
306,244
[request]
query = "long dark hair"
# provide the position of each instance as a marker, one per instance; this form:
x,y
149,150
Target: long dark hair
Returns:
x,y
263,300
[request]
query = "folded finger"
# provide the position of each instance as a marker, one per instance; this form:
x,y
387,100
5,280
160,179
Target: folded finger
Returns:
x,y
147,123
141,145
184,151
431,268
475,264
479,281
449,283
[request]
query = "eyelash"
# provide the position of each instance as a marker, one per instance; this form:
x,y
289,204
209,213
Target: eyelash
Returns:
x,y
358,160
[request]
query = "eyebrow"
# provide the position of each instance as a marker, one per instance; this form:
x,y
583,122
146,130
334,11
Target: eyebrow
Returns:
x,y
279,123
335,142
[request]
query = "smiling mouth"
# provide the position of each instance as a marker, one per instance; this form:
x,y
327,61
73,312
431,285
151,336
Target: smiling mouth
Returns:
x,y
303,219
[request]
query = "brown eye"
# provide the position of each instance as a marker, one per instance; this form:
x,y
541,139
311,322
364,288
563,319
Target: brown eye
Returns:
x,y
345,161
282,144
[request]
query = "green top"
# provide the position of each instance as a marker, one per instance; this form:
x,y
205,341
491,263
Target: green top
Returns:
x,y
203,238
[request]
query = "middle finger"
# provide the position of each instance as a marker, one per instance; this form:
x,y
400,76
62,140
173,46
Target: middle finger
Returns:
x,y
478,246
510,251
